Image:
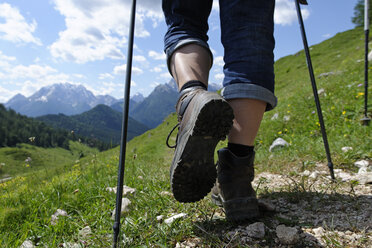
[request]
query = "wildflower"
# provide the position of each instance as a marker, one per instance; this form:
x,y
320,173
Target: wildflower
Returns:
x,y
313,112
360,93
333,107
280,132
261,141
285,130
318,124
288,111
27,165
360,85
343,112
345,135
289,105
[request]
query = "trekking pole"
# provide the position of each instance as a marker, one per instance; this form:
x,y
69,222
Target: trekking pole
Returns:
x,y
365,120
124,128
313,83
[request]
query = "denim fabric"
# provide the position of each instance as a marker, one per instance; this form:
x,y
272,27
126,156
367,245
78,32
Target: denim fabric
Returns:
x,y
247,28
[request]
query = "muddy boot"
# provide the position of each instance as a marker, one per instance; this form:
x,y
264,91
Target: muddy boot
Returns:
x,y
233,189
204,118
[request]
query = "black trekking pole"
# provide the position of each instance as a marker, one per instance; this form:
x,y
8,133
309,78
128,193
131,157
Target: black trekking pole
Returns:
x,y
365,120
124,128
315,91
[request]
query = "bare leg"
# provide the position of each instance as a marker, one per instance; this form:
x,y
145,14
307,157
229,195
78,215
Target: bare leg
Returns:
x,y
190,62
248,115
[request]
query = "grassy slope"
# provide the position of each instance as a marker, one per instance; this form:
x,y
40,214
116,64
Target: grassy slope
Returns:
x,y
27,203
13,158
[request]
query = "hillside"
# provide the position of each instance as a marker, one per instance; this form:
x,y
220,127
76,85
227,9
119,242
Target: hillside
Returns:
x,y
294,180
101,122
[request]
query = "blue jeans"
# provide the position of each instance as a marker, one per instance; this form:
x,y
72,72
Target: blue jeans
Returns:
x,y
247,28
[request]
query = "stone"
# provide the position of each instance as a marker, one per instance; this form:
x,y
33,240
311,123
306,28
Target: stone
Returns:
x,y
166,193
279,142
318,232
321,91
314,175
159,218
27,244
364,178
275,117
362,170
361,163
171,219
287,235
370,56
71,245
54,217
306,173
256,230
125,203
286,118
346,148
126,190
85,232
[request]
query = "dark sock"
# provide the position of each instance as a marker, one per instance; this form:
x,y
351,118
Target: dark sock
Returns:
x,y
240,150
193,83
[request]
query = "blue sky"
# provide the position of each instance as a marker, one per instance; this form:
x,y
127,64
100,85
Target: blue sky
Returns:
x,y
85,42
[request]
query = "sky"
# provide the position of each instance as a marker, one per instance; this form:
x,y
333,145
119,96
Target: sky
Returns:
x,y
43,42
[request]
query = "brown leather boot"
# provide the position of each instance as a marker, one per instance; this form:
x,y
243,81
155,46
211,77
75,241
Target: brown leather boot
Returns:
x,y
233,189
205,118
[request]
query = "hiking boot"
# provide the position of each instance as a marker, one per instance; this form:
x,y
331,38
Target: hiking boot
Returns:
x,y
204,118
233,189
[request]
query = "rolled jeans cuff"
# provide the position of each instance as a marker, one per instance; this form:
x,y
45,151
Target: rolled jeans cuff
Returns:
x,y
251,91
183,42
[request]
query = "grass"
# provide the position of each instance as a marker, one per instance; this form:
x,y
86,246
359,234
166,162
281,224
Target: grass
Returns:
x,y
79,187
27,158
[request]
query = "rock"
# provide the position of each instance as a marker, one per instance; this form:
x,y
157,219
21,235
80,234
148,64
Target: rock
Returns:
x,y
275,117
125,203
54,217
362,170
279,142
361,163
325,74
287,235
286,118
256,230
159,218
85,232
306,173
314,175
27,244
370,56
345,176
321,91
71,245
319,232
126,190
346,148
364,178
174,217
166,193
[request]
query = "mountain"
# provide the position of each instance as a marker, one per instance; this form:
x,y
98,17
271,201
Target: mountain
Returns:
x,y
137,98
62,98
158,105
16,129
101,122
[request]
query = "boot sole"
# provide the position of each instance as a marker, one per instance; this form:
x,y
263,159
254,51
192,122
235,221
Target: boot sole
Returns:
x,y
193,171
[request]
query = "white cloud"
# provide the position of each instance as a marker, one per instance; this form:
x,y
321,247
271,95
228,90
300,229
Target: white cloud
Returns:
x,y
154,84
139,58
219,76
97,29
5,94
15,28
157,69
166,76
156,55
121,69
285,12
105,75
218,61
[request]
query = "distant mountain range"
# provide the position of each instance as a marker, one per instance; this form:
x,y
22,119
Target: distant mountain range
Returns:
x,y
101,122
65,98
69,99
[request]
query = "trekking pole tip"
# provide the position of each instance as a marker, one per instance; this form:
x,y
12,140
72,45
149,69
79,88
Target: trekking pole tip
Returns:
x,y
365,121
330,166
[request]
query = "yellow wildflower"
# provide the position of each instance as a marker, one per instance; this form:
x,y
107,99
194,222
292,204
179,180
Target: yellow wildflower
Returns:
x,y
343,112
